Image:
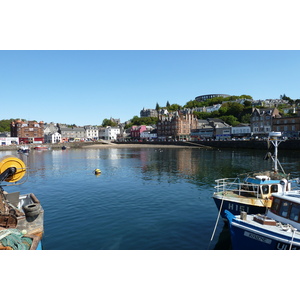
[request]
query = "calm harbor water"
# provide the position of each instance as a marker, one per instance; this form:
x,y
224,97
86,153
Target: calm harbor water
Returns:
x,y
152,199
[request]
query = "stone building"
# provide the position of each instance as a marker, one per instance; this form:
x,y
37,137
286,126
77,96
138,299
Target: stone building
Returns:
x,y
71,134
289,126
210,96
176,125
261,120
148,113
27,131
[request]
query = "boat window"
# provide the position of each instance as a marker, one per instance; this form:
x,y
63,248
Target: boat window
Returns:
x,y
274,188
284,209
275,206
265,189
294,214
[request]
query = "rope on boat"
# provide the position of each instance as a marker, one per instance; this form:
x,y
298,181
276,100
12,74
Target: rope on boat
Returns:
x,y
14,238
217,221
294,230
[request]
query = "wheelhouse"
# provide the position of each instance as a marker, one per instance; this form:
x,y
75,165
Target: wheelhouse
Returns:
x,y
286,208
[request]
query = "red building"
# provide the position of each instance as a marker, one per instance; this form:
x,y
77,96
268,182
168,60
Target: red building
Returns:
x,y
136,131
27,131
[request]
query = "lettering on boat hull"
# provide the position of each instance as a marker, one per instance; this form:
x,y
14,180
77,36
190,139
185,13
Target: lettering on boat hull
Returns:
x,y
282,246
234,207
257,237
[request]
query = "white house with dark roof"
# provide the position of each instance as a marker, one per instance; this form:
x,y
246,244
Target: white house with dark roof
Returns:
x,y
51,133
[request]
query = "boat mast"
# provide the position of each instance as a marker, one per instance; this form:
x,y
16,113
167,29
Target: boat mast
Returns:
x,y
274,138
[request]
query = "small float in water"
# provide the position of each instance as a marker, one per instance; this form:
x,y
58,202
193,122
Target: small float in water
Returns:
x,y
97,171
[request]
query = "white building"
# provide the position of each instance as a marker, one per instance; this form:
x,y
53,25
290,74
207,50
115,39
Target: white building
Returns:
x,y
241,130
111,133
9,141
51,134
52,137
149,134
91,132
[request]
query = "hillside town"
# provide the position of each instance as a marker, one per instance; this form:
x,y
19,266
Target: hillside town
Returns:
x,y
179,125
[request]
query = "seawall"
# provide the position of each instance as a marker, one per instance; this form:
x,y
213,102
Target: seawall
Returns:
x,y
286,145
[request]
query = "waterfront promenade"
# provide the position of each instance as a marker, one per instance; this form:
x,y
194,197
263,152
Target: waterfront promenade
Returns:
x,y
286,145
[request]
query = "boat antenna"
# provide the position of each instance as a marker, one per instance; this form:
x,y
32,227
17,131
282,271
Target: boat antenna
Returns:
x,y
274,138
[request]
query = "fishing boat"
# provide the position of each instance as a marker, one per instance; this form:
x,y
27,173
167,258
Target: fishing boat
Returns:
x,y
21,216
23,149
278,229
252,193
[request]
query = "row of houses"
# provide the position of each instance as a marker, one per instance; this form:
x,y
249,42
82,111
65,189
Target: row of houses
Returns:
x,y
27,132
58,133
184,126
179,125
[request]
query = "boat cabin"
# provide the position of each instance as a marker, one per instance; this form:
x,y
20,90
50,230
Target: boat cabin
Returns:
x,y
286,208
263,186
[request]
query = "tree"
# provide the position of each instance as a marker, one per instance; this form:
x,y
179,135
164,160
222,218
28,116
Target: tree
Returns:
x,y
248,103
246,97
107,122
174,107
168,104
246,118
5,125
141,121
231,108
157,108
230,120
192,104
284,97
202,115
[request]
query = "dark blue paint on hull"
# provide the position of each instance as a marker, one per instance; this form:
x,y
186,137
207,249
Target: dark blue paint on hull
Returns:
x,y
236,208
250,237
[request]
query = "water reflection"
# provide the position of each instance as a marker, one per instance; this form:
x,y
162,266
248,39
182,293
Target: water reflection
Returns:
x,y
144,198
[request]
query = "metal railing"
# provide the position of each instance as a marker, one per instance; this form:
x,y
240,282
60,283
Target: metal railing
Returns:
x,y
235,186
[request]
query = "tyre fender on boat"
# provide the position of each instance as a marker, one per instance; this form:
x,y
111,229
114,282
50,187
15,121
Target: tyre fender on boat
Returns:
x,y
32,209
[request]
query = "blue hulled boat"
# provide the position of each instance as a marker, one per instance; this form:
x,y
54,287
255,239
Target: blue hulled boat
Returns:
x,y
24,149
21,216
278,229
252,193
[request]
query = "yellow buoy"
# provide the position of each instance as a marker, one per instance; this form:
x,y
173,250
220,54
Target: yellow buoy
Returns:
x,y
10,161
97,171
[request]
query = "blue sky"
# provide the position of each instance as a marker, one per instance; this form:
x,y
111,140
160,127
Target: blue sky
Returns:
x,y
84,87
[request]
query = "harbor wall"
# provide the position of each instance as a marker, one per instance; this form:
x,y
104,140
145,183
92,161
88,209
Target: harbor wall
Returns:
x,y
286,145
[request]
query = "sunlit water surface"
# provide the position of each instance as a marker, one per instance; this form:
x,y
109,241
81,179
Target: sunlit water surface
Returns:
x,y
144,198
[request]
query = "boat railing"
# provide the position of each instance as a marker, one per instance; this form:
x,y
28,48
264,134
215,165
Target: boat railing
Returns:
x,y
235,186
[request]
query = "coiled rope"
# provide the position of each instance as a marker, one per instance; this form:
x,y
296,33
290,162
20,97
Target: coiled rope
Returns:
x,y
14,238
